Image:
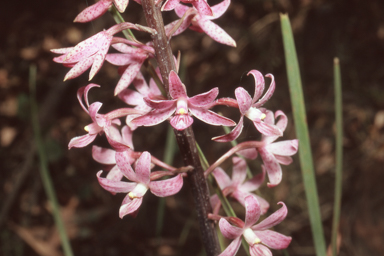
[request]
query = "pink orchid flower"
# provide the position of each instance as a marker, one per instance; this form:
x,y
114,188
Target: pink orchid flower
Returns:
x,y
236,187
101,122
141,183
201,6
108,156
257,236
251,108
136,98
90,52
130,60
202,22
183,107
276,153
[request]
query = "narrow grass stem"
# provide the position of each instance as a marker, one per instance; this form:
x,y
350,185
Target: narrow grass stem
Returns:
x,y
339,154
45,176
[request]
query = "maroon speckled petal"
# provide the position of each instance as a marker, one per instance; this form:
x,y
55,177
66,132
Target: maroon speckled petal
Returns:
x,y
204,98
211,117
216,32
94,11
176,87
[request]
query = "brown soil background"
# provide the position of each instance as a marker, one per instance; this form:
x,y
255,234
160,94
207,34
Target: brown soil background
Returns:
x,y
349,29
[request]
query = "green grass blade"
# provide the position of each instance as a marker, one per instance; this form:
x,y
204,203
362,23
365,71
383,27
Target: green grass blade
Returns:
x,y
305,154
45,176
339,154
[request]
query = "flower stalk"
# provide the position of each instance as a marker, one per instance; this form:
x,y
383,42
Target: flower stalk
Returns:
x,y
185,139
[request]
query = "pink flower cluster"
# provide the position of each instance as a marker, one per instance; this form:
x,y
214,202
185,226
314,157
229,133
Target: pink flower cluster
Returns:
x,y
130,171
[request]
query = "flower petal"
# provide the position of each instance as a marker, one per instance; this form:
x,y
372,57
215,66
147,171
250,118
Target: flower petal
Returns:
x,y
204,98
103,155
259,250
239,171
219,9
255,182
131,207
252,211
127,77
284,160
81,141
176,87
94,11
166,187
272,167
233,134
79,68
221,178
131,97
169,5
268,129
243,99
272,220
124,161
121,5
115,174
232,248
283,148
216,32
181,9
268,94
181,122
143,168
202,7
115,186
229,231
154,117
210,117
273,239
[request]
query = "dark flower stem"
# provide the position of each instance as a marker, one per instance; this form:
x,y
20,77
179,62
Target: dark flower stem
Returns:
x,y
186,138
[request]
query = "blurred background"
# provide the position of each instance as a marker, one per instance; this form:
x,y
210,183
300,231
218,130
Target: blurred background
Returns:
x,y
351,30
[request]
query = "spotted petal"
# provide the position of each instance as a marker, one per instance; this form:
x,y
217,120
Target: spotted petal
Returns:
x,y
168,187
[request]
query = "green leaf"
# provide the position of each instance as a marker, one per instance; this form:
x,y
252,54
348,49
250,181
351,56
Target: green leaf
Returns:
x,y
300,119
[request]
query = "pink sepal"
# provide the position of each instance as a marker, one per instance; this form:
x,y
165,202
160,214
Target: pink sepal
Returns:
x,y
94,11
273,219
81,141
168,187
130,207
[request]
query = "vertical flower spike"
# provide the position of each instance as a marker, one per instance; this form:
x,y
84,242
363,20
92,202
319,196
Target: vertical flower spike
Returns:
x,y
276,153
201,22
257,236
140,184
250,107
182,107
90,52
236,187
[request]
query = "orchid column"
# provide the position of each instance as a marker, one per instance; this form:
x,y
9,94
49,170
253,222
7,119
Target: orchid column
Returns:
x,y
186,137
